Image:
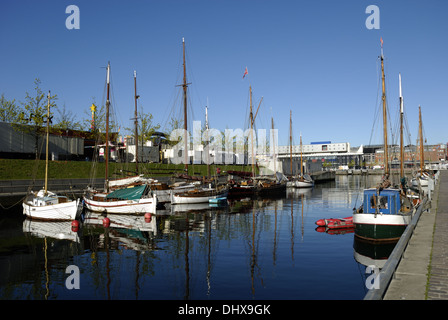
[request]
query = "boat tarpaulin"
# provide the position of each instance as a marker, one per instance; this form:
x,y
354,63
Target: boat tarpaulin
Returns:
x,y
133,193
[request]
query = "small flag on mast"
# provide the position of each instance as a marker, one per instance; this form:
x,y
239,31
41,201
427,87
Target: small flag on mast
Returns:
x,y
381,39
245,72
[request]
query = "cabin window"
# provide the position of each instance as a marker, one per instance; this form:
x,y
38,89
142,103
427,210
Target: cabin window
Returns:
x,y
383,202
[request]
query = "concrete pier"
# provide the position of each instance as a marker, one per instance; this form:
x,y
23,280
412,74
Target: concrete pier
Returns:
x,y
422,273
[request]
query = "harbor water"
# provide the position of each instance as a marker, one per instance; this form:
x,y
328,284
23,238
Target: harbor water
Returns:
x,y
247,250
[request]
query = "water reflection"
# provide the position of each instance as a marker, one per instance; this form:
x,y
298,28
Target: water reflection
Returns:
x,y
246,249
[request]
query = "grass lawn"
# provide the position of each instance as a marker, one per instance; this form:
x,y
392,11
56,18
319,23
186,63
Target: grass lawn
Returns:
x,y
18,169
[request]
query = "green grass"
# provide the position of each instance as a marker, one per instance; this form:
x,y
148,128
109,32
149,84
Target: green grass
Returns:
x,y
18,169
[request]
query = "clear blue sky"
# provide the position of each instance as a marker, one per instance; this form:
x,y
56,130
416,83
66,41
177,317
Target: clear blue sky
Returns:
x,y
314,57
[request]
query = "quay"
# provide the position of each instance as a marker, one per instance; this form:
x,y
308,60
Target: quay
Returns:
x,y
422,269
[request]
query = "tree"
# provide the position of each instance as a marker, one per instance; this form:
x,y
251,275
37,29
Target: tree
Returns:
x,y
35,113
9,110
66,120
146,128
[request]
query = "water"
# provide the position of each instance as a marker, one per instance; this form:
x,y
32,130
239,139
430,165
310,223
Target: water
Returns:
x,y
263,249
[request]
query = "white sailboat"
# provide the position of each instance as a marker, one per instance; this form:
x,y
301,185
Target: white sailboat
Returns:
x,y
46,205
131,195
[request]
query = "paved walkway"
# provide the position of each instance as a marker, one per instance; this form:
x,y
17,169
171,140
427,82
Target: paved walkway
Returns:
x,y
423,270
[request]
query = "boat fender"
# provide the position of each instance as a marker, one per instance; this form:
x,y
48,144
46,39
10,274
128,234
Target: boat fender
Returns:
x,y
106,222
148,217
75,225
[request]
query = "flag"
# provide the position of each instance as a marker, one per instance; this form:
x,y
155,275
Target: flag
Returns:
x,y
245,72
381,39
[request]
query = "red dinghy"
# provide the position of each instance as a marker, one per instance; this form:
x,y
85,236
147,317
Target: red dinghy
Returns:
x,y
335,223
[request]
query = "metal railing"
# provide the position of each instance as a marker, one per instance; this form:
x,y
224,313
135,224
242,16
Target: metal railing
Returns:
x,y
386,274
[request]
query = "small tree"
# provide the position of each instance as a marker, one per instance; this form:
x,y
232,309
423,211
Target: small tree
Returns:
x,y
35,113
65,120
9,110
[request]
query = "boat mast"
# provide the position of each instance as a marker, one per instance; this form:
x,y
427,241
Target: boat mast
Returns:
x,y
185,85
136,121
251,132
48,137
401,131
386,154
422,160
208,138
290,141
273,147
301,161
106,182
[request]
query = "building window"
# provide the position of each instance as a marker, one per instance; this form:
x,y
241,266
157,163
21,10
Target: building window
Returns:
x,y
324,147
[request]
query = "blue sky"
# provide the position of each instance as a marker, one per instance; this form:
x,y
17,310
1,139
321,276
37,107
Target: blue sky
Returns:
x,y
316,58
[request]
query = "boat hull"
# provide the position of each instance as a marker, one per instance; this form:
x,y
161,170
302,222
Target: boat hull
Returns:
x,y
190,197
380,227
57,212
299,184
139,206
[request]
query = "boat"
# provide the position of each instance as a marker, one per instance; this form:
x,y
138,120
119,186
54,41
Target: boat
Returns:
x,y
336,223
271,186
422,177
131,195
47,205
386,210
199,195
302,180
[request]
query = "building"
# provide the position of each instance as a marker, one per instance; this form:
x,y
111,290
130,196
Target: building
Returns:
x,y
331,155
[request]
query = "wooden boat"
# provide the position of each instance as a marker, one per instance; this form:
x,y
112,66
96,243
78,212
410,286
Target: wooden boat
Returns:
x,y
386,211
132,195
46,205
422,177
302,180
199,195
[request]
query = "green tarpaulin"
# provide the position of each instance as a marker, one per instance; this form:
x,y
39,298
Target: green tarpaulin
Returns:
x,y
127,193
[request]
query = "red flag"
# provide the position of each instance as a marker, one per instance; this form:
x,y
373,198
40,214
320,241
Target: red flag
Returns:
x,y
245,72
381,39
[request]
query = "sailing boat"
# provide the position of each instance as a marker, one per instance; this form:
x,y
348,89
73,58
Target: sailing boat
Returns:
x,y
125,196
272,186
301,181
422,176
47,205
385,212
202,193
246,186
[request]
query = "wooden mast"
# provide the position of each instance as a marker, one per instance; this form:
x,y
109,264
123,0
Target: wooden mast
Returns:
x,y
386,153
401,131
48,137
185,85
290,141
136,121
106,182
301,161
251,116
422,160
273,147
208,144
